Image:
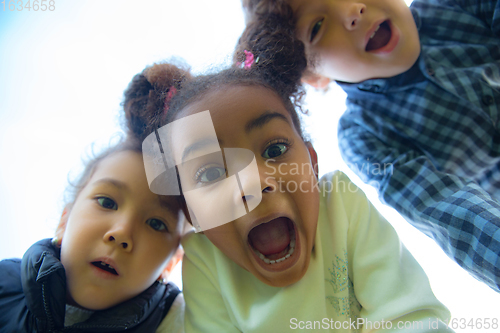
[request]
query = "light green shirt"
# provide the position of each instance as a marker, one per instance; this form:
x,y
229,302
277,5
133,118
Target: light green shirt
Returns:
x,y
360,277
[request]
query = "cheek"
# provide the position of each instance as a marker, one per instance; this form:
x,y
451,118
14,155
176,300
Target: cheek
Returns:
x,y
335,49
227,240
74,235
341,66
307,198
150,265
158,247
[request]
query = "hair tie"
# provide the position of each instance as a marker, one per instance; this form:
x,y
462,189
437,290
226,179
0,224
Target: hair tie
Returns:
x,y
249,60
170,94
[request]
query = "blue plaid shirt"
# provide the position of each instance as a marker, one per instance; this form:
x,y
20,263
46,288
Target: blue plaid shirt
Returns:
x,y
429,138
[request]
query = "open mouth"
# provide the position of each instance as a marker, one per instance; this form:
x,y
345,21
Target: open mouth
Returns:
x,y
380,37
273,242
105,267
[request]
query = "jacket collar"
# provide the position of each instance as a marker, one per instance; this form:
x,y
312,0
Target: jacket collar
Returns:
x,y
44,284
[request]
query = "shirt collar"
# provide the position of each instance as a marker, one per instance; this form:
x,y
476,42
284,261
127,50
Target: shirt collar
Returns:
x,y
416,17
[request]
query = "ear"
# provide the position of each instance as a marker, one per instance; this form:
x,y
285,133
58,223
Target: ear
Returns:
x,y
318,81
176,258
314,157
61,227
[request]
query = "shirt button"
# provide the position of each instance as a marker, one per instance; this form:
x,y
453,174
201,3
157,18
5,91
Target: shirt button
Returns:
x,y
487,100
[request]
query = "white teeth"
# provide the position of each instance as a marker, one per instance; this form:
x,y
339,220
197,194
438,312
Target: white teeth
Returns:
x,y
104,264
288,254
373,34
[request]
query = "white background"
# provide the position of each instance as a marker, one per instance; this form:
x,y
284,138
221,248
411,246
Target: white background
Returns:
x,y
62,77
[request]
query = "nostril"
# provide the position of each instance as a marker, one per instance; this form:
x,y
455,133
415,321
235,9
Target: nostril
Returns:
x,y
362,10
125,245
353,23
247,197
267,189
111,238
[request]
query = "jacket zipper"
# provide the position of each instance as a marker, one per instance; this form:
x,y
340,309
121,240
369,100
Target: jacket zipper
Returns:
x,y
50,320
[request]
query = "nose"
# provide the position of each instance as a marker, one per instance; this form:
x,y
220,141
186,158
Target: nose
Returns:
x,y
266,188
120,234
269,186
255,187
353,15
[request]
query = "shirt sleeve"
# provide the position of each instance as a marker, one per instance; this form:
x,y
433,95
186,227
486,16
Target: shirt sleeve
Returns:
x,y
459,215
392,288
486,10
205,308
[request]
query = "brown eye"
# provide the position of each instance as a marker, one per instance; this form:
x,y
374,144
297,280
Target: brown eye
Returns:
x,y
209,173
107,203
157,225
315,30
275,150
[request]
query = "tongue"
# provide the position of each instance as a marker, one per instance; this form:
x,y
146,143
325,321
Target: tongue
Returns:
x,y
381,38
271,237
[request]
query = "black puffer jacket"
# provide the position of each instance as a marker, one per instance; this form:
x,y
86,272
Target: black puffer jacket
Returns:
x,y
33,299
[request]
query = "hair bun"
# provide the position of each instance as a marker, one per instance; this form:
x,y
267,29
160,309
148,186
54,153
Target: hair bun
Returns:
x,y
271,39
164,76
145,97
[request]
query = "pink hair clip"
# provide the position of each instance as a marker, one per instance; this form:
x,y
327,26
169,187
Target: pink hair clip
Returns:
x,y
249,60
170,94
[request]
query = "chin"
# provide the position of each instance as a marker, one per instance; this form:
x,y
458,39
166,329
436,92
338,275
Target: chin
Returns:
x,y
285,278
286,281
94,303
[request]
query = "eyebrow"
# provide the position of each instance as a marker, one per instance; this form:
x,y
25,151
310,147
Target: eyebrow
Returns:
x,y
253,124
263,119
166,203
111,181
199,145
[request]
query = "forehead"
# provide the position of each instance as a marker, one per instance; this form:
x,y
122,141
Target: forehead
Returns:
x,y
299,6
122,165
237,104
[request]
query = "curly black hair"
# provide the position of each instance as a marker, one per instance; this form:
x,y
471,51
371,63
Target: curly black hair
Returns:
x,y
255,8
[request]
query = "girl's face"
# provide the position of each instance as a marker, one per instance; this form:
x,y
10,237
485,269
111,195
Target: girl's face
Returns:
x,y
273,241
118,235
353,40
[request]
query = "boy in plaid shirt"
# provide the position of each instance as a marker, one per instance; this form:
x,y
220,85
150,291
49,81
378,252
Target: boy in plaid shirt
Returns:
x,y
422,107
